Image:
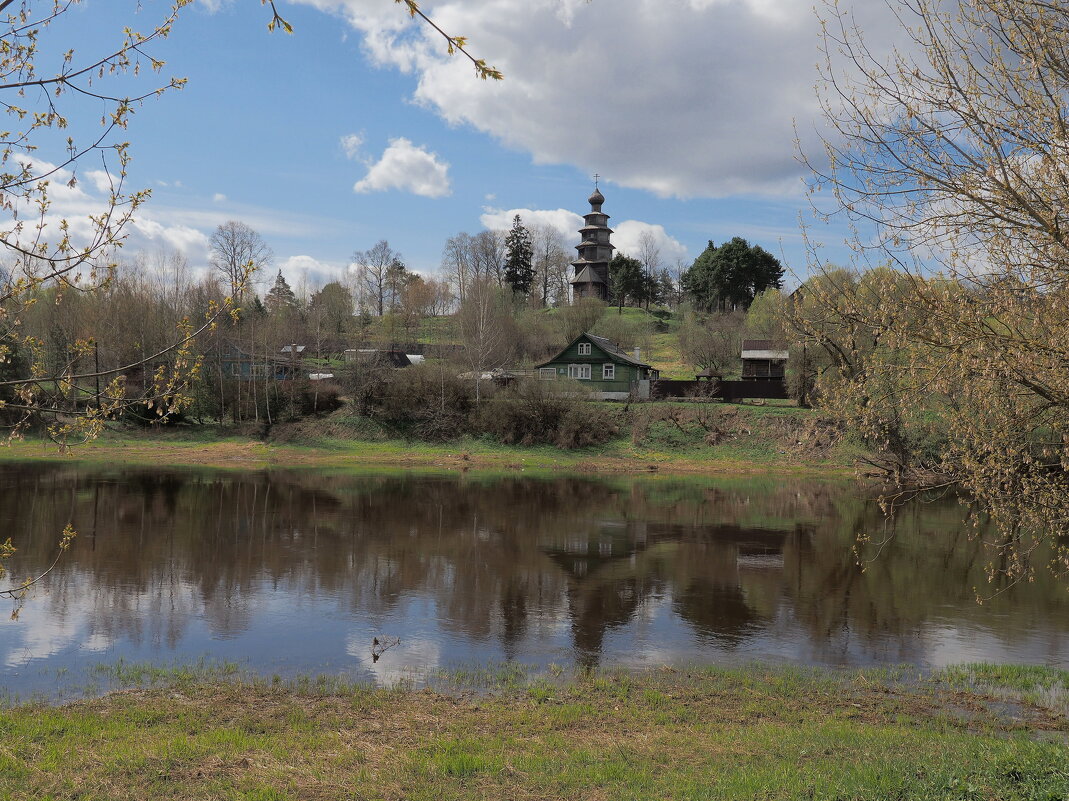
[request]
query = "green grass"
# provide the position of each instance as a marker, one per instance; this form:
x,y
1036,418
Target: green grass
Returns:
x,y
743,733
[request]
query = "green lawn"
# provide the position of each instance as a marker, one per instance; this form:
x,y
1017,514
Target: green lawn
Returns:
x,y
752,733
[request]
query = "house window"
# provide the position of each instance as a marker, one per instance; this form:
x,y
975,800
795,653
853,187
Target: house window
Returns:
x,y
608,372
547,373
584,349
580,371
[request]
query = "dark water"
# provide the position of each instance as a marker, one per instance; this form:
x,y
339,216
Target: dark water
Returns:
x,y
293,572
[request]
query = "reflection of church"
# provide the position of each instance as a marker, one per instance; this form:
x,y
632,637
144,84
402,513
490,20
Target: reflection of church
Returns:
x,y
716,586
591,278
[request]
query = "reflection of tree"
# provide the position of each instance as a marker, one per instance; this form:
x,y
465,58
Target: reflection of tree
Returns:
x,y
159,549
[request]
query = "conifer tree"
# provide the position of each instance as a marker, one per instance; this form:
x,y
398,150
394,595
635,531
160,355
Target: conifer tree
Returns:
x,y
519,254
281,298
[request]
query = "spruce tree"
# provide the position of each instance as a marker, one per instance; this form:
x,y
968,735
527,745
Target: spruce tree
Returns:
x,y
519,255
280,298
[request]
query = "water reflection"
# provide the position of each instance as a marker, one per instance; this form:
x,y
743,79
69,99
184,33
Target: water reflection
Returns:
x,y
299,571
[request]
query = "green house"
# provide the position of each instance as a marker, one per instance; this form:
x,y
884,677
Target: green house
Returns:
x,y
611,372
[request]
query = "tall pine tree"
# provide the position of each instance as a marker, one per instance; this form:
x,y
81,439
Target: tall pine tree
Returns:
x,y
519,255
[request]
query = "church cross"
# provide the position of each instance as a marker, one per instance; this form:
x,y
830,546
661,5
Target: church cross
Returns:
x,y
596,176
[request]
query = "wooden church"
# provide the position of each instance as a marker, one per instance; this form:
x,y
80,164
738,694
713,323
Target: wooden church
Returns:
x,y
591,276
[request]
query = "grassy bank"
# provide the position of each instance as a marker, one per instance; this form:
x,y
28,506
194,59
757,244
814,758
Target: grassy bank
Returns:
x,y
702,734
652,438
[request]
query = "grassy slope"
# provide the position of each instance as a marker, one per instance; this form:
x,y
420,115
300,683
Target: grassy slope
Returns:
x,y
754,733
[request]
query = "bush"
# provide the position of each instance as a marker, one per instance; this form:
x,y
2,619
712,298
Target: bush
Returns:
x,y
545,413
318,397
427,401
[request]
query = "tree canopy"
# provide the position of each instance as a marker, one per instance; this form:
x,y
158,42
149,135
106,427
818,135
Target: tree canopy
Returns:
x,y
728,277
627,279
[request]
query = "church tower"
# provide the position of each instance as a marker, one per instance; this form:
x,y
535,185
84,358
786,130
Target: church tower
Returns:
x,y
591,277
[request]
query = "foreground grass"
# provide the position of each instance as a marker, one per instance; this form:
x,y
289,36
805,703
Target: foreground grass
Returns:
x,y
703,734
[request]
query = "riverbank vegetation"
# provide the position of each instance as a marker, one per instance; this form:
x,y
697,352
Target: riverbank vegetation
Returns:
x,y
669,438
709,733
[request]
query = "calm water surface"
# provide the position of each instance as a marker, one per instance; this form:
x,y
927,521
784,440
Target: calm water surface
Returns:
x,y
294,572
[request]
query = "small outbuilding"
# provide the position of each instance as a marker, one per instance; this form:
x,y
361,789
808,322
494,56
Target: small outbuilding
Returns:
x,y
611,372
764,360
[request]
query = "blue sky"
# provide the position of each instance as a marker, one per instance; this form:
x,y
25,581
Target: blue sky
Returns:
x,y
358,127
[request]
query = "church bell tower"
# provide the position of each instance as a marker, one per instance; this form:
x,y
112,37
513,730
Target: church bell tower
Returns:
x,y
591,269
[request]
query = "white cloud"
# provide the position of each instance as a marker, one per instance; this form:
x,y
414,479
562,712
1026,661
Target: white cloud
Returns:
x,y
565,221
189,241
218,197
408,168
626,234
678,97
307,270
101,179
351,144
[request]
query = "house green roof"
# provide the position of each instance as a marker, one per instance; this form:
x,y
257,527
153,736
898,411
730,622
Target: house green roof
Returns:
x,y
610,349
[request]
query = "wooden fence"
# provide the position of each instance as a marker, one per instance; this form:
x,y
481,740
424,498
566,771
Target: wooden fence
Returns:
x,y
730,391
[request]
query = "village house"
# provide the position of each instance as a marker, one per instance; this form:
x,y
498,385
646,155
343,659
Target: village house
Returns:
x,y
238,364
602,365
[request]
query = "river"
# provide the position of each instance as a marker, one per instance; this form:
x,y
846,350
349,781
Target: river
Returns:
x,y
289,572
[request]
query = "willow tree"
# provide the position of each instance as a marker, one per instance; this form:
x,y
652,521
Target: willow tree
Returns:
x,y
951,157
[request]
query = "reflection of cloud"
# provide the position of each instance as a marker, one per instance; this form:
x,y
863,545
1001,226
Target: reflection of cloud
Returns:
x,y
38,635
413,656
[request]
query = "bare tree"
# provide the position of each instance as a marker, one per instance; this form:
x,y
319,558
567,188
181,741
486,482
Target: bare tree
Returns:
x,y
486,327
237,251
650,255
551,264
373,273
488,256
712,341
457,262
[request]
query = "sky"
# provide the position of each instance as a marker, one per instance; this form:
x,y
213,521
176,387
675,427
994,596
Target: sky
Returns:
x,y
359,127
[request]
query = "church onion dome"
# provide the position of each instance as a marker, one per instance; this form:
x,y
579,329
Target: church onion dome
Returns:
x,y
596,199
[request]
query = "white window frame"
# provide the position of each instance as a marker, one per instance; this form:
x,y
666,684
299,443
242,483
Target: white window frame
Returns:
x,y
584,348
608,372
547,373
580,372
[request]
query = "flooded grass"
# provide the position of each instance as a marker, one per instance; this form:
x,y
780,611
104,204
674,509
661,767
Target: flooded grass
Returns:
x,y
741,733
1034,684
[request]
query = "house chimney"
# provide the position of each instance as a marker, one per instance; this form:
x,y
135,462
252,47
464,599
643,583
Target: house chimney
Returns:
x,y
638,353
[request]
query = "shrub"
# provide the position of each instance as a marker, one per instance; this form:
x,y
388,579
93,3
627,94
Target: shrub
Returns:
x,y
427,401
317,397
545,413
